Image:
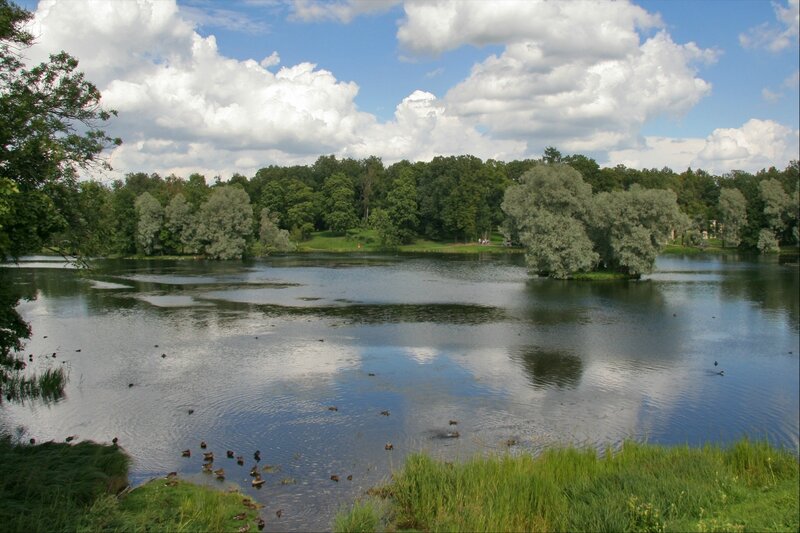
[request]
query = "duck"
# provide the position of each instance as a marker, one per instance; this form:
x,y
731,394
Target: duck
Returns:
x,y
454,422
335,478
186,453
260,524
247,502
207,468
333,408
257,482
279,512
254,471
257,455
240,461
219,472
350,477
389,446
208,456
203,444
114,441
385,413
240,516
229,453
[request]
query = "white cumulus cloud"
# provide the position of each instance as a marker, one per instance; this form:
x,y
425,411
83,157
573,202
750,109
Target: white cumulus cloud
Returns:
x,y
577,75
755,145
184,107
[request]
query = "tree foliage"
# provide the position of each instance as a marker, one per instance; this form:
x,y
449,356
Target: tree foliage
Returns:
x,y
631,227
225,223
179,221
402,207
271,237
733,215
548,209
149,221
566,230
339,194
50,130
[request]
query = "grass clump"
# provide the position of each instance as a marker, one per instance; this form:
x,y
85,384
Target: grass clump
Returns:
x,y
79,487
750,486
49,487
172,505
362,518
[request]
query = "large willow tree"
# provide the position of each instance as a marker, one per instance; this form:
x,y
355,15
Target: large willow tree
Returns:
x,y
565,229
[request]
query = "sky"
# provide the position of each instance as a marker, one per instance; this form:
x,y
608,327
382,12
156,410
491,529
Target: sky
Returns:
x,y
220,87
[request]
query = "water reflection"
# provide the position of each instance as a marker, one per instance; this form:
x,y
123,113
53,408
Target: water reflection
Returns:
x,y
547,368
258,352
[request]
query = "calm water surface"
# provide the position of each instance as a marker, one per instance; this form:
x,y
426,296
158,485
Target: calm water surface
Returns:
x,y
260,351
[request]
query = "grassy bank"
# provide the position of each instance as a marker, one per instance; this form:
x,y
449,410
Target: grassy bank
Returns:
x,y
63,487
368,241
750,486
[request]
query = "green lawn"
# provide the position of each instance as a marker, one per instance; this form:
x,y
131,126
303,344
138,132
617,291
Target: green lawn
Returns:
x,y
748,487
368,241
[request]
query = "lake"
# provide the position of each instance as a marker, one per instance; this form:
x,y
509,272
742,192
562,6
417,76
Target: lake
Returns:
x,y
298,356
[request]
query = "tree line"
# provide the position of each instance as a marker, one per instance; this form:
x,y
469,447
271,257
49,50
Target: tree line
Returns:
x,y
455,198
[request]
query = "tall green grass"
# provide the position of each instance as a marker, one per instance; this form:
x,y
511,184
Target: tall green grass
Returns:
x,y
48,487
62,487
750,486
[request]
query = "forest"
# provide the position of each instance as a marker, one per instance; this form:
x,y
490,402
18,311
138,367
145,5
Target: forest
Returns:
x,y
451,198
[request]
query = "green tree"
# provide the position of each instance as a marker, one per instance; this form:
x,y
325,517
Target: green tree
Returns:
x,y
767,242
225,223
339,193
777,204
402,206
556,245
149,222
180,223
551,155
547,209
301,209
271,237
49,131
733,215
380,221
629,228
196,191
123,207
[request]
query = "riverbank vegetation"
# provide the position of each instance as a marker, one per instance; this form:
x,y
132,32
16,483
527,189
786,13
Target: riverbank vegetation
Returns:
x,y
79,487
454,199
750,486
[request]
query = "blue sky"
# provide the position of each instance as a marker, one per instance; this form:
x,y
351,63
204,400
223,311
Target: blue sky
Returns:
x,y
647,84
